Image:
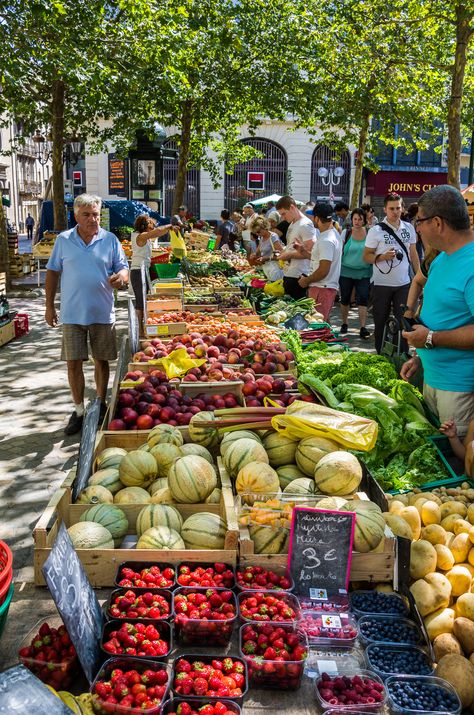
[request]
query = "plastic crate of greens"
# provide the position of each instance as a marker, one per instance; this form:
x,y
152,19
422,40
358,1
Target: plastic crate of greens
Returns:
x,y
453,464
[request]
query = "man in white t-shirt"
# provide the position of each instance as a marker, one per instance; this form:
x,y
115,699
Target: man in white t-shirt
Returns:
x,y
391,259
249,217
300,238
323,281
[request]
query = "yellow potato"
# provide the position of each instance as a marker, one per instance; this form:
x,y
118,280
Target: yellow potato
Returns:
x,y
431,593
434,533
423,559
465,606
460,579
448,521
445,559
460,547
462,526
470,556
398,525
430,513
418,502
449,538
433,497
453,507
396,506
441,621
470,513
412,517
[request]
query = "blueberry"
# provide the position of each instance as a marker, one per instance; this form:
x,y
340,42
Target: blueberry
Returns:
x,y
407,661
419,695
389,630
375,602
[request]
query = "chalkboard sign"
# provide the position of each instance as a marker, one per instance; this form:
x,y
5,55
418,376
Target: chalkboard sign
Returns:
x,y
133,327
75,600
320,549
86,448
120,370
22,692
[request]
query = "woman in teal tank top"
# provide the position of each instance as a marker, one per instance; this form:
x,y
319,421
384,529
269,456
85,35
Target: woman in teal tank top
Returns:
x,y
355,272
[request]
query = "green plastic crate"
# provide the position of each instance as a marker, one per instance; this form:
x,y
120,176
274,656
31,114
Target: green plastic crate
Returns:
x,y
4,608
452,463
166,270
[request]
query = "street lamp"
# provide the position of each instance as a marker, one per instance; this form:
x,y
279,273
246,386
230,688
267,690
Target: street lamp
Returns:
x,y
331,177
44,149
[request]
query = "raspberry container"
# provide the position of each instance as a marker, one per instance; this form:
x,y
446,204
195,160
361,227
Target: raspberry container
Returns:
x,y
127,664
280,571
205,565
207,659
171,706
138,566
203,632
321,600
272,674
163,628
390,604
288,598
329,629
415,681
409,633
392,651
59,674
374,707
167,595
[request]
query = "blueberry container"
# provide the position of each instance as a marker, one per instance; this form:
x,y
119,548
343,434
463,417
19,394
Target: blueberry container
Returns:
x,y
279,571
363,603
334,660
387,660
163,628
389,629
126,664
137,567
327,697
322,600
329,629
193,566
203,632
167,595
171,706
405,692
207,659
288,598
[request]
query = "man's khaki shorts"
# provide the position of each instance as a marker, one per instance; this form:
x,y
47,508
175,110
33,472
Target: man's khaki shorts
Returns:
x,y
102,340
447,405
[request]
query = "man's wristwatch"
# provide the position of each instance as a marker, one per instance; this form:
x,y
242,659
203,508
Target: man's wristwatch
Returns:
x,y
429,341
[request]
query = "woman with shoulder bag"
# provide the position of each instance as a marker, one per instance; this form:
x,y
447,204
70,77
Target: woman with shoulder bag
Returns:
x,y
268,248
355,272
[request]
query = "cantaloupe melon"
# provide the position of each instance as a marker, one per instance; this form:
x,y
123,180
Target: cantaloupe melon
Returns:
x,y
137,469
207,436
113,518
108,478
110,457
204,531
165,455
338,473
280,449
90,535
198,450
369,527
268,540
230,437
160,483
165,434
158,515
242,452
310,450
300,486
257,478
162,496
214,497
95,495
160,538
191,479
287,473
132,495
333,503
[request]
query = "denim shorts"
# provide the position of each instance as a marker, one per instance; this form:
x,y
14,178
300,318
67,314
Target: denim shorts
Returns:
x,y
361,285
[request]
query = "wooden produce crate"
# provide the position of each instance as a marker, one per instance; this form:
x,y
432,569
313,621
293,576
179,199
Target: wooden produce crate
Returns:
x,y
164,306
101,564
210,308
214,388
165,329
7,333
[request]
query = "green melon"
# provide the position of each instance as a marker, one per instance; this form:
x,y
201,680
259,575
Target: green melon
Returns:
x,y
207,436
204,531
165,434
288,473
230,437
161,538
132,495
338,473
165,455
304,486
137,469
159,515
160,483
95,494
241,453
108,478
198,450
191,479
144,447
268,540
90,535
214,497
162,496
369,527
310,450
110,457
113,518
280,449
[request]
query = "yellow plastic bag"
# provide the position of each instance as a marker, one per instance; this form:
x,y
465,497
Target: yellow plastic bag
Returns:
x,y
275,289
178,363
178,245
306,419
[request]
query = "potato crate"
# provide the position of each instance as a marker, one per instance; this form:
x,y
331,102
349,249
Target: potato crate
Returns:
x,y
101,564
166,329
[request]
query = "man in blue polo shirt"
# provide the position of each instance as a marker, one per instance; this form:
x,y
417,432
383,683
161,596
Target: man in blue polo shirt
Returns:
x,y
91,263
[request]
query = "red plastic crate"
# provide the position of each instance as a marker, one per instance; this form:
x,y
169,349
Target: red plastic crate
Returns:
x,y
21,324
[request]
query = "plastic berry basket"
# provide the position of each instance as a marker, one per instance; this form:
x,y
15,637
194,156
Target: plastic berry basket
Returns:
x,y
395,657
167,595
321,600
163,628
6,565
203,632
329,629
365,603
412,684
4,608
277,675
171,706
279,570
60,675
205,565
138,566
127,664
207,659
288,598
370,707
389,629
334,660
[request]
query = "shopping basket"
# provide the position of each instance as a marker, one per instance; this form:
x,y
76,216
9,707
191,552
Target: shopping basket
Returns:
x,y
165,270
4,608
160,258
6,561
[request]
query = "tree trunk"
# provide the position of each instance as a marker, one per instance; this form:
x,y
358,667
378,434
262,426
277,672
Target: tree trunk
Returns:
x,y
57,134
463,33
184,144
364,133
4,258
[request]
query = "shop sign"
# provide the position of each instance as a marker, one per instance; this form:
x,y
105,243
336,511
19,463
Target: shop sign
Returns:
x,y
76,601
117,176
77,178
22,692
256,180
405,183
320,550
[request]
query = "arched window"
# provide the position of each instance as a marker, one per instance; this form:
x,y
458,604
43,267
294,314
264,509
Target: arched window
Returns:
x,y
192,192
330,187
274,164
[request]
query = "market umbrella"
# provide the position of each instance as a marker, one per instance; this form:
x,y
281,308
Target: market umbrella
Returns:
x,y
468,193
265,200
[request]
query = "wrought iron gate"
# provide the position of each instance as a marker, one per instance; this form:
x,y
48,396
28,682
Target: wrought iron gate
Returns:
x,y
192,192
323,157
274,163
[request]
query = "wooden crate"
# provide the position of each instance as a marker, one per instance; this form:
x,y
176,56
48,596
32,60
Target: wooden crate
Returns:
x,y
166,329
214,388
101,564
7,333
164,306
209,308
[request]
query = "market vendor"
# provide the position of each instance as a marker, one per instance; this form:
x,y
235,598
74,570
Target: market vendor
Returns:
x,y
91,264
444,336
